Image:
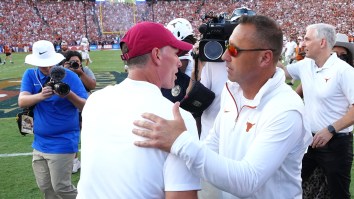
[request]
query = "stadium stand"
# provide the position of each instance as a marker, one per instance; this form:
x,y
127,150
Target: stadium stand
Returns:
x,y
24,21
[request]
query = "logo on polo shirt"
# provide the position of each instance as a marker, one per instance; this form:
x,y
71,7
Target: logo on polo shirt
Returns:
x,y
249,125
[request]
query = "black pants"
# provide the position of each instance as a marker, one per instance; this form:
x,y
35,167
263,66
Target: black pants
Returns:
x,y
336,160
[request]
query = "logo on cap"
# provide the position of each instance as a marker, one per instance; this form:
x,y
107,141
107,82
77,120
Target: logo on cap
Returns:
x,y
41,53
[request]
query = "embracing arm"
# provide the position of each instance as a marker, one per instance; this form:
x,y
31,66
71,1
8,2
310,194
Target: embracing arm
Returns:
x,y
245,176
238,177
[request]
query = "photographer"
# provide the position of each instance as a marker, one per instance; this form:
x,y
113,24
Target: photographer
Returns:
x,y
73,61
56,119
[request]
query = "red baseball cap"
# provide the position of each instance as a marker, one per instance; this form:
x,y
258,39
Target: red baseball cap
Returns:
x,y
145,36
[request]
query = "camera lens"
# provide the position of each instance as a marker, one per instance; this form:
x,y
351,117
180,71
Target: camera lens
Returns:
x,y
74,65
61,88
213,50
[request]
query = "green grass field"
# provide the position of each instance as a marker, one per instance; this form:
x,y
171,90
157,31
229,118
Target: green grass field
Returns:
x,y
16,177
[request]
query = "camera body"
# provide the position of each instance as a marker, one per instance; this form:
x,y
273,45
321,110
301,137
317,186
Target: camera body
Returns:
x,y
216,31
74,64
59,87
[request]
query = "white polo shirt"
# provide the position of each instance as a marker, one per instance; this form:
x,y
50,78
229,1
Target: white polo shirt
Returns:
x,y
213,77
260,142
111,165
328,91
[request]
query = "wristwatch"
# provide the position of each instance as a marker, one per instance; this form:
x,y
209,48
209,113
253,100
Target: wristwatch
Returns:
x,y
331,129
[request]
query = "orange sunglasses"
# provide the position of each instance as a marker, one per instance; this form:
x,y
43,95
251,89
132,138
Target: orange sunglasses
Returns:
x,y
234,50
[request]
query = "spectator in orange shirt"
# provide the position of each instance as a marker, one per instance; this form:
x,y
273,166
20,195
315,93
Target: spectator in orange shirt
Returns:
x,y
8,53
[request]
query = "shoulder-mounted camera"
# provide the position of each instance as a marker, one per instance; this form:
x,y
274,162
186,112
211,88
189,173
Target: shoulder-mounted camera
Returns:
x,y
216,31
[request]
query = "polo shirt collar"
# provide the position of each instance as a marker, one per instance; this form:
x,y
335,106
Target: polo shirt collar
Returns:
x,y
276,81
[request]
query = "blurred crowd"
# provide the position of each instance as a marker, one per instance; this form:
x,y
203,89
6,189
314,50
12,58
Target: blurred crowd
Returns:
x,y
25,21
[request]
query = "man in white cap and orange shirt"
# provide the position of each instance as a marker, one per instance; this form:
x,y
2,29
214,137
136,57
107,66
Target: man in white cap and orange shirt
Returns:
x,y
56,119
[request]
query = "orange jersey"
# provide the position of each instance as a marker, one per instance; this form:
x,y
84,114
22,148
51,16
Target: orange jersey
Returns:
x,y
299,53
7,49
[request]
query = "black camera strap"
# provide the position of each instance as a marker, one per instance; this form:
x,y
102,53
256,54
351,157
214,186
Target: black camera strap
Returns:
x,y
196,69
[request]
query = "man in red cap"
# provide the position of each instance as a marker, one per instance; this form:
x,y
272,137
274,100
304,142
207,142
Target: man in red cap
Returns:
x,y
112,166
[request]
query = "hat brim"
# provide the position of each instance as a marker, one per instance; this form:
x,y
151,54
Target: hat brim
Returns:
x,y
53,60
346,45
181,46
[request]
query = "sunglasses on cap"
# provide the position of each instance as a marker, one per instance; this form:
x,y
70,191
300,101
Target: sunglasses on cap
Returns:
x,y
234,50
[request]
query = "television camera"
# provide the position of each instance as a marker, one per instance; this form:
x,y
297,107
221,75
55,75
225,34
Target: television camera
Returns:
x,y
216,31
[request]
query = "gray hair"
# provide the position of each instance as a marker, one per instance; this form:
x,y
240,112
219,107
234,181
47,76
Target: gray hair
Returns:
x,y
325,31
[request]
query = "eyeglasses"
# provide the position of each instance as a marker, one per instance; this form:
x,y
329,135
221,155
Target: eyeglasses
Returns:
x,y
234,50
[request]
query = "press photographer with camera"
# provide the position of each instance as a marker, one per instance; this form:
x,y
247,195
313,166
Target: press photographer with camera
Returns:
x,y
73,62
58,96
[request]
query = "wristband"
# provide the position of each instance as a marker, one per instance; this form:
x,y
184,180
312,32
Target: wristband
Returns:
x,y
331,129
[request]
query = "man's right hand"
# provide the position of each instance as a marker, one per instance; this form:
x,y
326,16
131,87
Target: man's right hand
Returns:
x,y
161,133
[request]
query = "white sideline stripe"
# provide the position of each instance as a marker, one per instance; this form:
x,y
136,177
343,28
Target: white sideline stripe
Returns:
x,y
15,154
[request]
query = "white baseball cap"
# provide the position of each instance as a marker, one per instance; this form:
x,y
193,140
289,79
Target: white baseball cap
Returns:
x,y
43,55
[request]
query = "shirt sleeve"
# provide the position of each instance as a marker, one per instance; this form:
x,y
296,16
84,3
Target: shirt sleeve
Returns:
x,y
29,83
293,69
184,180
347,84
89,72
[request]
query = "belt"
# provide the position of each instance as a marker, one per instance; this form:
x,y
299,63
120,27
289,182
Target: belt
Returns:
x,y
338,134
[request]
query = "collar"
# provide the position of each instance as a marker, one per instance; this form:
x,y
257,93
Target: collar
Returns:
x,y
271,85
148,87
330,61
41,76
